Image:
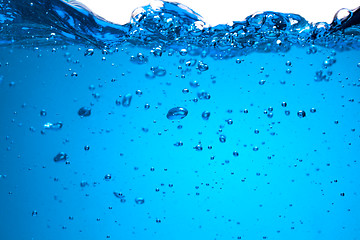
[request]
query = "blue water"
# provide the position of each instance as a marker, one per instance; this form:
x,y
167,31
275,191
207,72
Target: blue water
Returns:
x,y
167,128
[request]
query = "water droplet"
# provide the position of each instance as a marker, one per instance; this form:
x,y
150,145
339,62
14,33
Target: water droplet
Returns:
x,y
147,106
262,82
288,63
255,149
139,200
312,110
107,177
287,112
61,156
86,148
283,104
84,112
301,114
235,154
222,138
177,113
126,100
138,92
53,126
34,213
256,131
205,115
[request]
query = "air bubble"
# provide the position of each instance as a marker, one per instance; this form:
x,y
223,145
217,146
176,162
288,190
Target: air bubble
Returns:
x,y
139,59
107,177
126,100
177,113
84,112
204,95
89,52
43,113
53,126
301,114
183,52
202,66
198,147
222,138
178,144
139,200
205,115
61,156
194,84
159,71
185,90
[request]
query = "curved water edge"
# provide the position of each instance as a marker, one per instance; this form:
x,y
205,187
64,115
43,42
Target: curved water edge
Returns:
x,y
163,25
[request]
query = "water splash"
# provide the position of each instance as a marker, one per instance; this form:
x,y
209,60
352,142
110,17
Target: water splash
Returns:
x,y
171,25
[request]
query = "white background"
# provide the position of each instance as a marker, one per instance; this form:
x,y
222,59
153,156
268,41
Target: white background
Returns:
x,y
223,11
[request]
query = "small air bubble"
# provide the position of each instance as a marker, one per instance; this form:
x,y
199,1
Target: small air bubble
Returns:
x,y
139,200
84,112
43,113
107,177
222,138
301,114
183,52
262,82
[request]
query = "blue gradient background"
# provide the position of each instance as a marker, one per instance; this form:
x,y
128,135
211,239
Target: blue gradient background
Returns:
x,y
289,189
